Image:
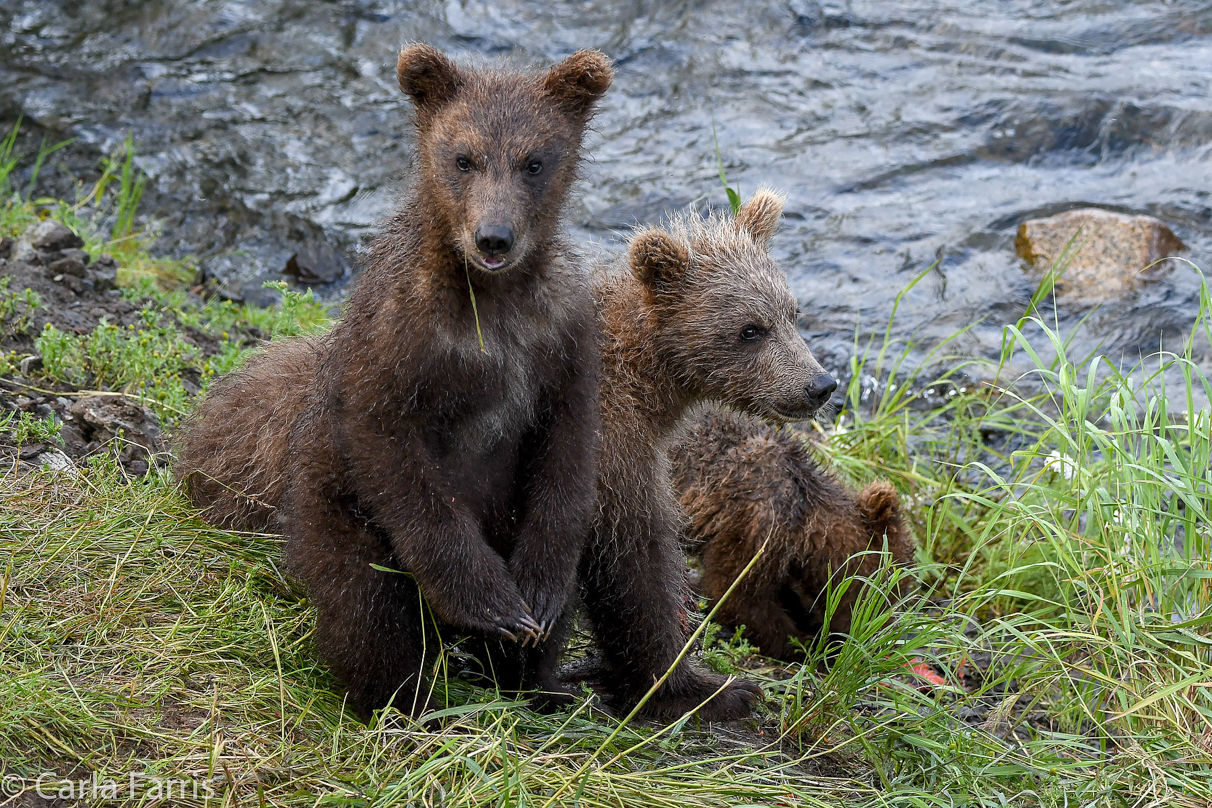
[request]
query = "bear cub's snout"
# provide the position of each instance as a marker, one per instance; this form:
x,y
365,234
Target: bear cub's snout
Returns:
x,y
819,390
494,241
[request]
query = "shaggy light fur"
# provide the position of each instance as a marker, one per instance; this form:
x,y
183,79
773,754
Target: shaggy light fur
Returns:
x,y
744,483
697,312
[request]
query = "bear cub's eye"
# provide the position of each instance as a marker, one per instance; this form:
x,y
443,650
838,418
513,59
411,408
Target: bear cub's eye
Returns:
x,y
751,332
463,163
534,167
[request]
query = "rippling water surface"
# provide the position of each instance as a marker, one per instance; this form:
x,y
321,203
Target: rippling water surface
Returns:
x,y
904,134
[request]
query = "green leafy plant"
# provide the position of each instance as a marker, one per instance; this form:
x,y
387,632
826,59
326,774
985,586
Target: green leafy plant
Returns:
x,y
726,654
16,307
145,360
24,428
297,312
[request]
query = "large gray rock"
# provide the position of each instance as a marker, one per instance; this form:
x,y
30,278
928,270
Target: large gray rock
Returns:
x,y
51,236
1109,254
44,238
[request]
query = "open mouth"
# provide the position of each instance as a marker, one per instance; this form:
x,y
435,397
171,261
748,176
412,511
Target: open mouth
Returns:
x,y
490,263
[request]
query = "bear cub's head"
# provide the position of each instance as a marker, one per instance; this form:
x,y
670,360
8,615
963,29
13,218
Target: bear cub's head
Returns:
x,y
724,314
497,150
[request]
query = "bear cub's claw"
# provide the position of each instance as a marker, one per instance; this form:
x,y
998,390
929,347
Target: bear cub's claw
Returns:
x,y
545,607
523,628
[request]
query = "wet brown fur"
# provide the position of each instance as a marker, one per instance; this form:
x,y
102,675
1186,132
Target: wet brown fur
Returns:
x,y
235,450
396,441
743,483
671,318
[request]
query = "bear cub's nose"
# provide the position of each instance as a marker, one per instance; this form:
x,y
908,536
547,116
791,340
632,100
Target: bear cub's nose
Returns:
x,y
494,239
820,389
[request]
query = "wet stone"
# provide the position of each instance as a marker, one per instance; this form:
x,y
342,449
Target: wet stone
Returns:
x,y
1110,254
104,418
56,461
252,293
807,13
316,262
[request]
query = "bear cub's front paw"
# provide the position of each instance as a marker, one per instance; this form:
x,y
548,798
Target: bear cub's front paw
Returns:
x,y
710,696
502,614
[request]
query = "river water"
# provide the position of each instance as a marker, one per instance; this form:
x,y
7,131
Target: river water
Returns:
x,y
903,134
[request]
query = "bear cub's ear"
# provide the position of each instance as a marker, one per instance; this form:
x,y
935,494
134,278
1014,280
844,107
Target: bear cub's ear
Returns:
x,y
658,259
579,81
428,77
760,215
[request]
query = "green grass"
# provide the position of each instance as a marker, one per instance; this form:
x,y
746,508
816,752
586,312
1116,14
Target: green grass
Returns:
x,y
135,638
147,359
1066,592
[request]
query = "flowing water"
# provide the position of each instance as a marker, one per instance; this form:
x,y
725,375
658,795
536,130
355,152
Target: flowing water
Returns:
x,y
903,134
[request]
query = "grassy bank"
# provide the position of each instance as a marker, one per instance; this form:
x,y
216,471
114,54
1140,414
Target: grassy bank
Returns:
x,y
148,659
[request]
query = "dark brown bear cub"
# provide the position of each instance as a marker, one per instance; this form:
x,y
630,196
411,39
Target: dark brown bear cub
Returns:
x,y
465,463
700,312
743,483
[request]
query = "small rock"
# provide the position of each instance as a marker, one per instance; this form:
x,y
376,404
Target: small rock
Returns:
x,y
78,285
31,450
66,266
104,277
103,417
24,252
80,255
107,260
51,236
56,461
6,247
1111,253
30,364
316,262
253,293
